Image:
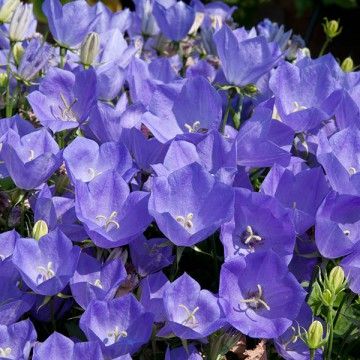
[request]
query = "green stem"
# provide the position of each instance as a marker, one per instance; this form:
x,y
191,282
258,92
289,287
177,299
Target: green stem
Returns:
x,y
226,115
52,312
330,322
62,56
324,47
8,100
312,354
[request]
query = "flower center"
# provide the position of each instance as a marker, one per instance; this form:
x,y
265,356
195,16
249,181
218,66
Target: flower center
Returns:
x,y
116,334
190,319
186,221
249,237
66,112
346,232
256,299
108,222
195,127
46,273
5,352
93,173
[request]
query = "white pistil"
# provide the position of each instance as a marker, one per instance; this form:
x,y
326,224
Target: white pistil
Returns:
x,y
190,315
108,221
5,352
298,107
117,334
67,112
98,283
352,170
46,272
256,300
186,221
195,127
32,155
93,173
251,237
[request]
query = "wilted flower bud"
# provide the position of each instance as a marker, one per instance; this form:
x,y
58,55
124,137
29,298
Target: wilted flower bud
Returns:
x,y
315,334
336,280
331,28
20,22
8,9
90,48
348,64
18,52
40,229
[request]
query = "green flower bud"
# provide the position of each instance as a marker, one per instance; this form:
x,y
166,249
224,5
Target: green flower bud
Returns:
x,y
90,49
3,79
315,334
7,10
336,281
249,90
18,52
39,230
348,64
331,28
327,297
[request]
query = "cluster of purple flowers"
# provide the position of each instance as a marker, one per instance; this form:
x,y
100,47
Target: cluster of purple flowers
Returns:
x,y
130,138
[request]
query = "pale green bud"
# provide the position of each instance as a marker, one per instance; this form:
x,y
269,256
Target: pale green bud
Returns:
x,y
18,52
249,90
347,65
327,297
331,28
39,230
3,79
336,280
315,335
90,48
7,10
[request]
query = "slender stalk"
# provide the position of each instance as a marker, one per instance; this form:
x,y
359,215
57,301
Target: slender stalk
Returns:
x,y
312,354
8,100
324,47
330,322
226,115
62,56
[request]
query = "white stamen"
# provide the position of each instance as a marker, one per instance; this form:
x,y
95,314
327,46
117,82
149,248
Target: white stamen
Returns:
x,y
5,352
298,107
256,300
32,155
191,319
186,221
251,236
195,127
346,232
46,272
352,170
108,221
98,284
117,334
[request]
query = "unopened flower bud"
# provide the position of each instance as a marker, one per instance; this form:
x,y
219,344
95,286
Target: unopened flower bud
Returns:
x,y
315,335
20,22
18,52
3,79
327,297
249,90
7,10
336,280
40,229
331,28
90,49
348,64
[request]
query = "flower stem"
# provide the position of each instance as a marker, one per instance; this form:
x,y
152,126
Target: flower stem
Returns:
x,y
312,354
324,47
226,115
330,322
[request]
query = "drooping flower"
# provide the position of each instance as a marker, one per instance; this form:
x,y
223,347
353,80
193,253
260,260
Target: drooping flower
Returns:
x,y
261,298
